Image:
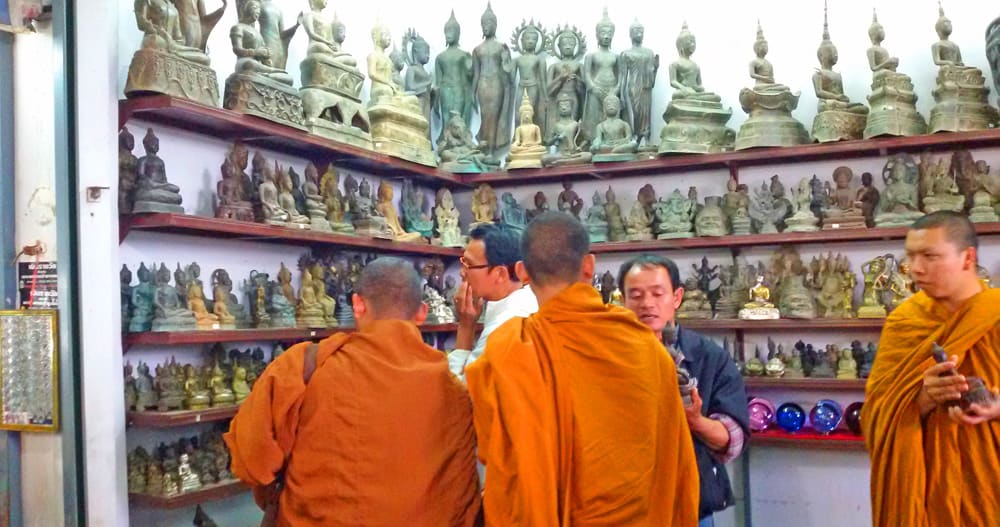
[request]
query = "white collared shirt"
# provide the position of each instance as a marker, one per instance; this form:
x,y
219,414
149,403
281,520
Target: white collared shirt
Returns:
x,y
520,303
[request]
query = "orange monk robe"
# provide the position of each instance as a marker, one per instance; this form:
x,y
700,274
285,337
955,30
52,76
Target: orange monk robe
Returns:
x,y
580,421
381,436
932,472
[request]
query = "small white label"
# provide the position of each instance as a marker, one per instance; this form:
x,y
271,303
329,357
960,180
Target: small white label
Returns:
x,y
197,418
312,333
835,226
216,326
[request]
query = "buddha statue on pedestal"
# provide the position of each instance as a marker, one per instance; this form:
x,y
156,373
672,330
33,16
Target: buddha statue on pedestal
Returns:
x,y
153,193
695,118
639,65
674,216
596,221
898,204
398,125
458,151
842,211
512,214
172,59
446,220
565,136
259,86
769,105
484,205
759,307
333,200
938,187
837,118
526,150
387,209
961,94
331,81
877,274
309,311
169,313
613,140
367,220
802,218
892,101
415,219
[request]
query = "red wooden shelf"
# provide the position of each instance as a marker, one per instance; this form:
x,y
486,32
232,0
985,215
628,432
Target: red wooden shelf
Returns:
x,y
213,492
173,338
785,323
733,160
805,384
180,417
242,230
831,236
838,440
230,126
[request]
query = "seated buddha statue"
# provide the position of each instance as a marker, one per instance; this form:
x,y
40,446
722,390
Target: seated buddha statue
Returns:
x,y
526,150
837,117
325,36
253,58
565,136
613,139
386,208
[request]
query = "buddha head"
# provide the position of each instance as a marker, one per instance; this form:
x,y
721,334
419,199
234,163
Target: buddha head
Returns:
x,y
126,141
567,43
612,106
875,31
605,30
339,30
636,32
250,12
564,104
421,50
827,52
943,24
488,22
610,195
150,142
317,5
686,43
530,40
452,31
381,36
597,198
384,192
526,111
541,202
760,45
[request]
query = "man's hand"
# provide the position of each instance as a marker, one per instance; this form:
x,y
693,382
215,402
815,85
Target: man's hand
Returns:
x,y
693,411
468,306
939,388
977,413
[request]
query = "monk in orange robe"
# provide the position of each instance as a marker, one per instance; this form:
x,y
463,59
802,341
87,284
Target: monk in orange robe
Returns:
x,y
367,429
577,408
935,464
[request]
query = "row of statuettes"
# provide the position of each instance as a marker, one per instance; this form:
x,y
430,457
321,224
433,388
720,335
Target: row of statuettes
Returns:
x,y
273,195
582,108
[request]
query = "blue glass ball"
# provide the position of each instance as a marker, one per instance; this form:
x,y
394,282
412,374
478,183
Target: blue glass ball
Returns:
x,y
791,417
825,416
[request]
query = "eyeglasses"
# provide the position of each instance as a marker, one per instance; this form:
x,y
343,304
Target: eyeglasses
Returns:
x,y
466,266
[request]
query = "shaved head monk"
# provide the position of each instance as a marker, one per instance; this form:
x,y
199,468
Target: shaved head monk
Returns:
x,y
367,428
577,409
935,464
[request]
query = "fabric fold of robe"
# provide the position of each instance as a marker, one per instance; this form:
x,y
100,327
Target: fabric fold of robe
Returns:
x,y
580,421
932,472
382,435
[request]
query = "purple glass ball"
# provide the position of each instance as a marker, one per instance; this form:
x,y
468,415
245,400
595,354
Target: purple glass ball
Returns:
x,y
825,417
761,414
852,414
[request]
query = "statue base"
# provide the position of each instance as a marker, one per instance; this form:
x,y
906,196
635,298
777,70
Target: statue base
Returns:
x,y
893,110
770,122
372,229
156,72
694,315
311,321
794,374
174,324
331,102
728,311
696,127
282,321
264,98
319,223
519,163
800,227
401,133
137,325
613,158
647,151
349,135
276,223
460,168
841,223
741,227
155,206
674,235
235,212
983,215
835,125
897,219
170,402
759,313
871,312
962,101
954,203
641,237
597,237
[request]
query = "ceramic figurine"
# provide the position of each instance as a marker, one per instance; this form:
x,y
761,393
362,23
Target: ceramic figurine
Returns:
x,y
493,88
526,150
565,80
458,151
674,216
613,139
331,82
962,99
842,211
169,313
446,220
367,220
877,274
438,311
309,312
415,219
232,202
528,68
755,366
195,297
695,304
759,307
601,76
775,365
541,205
169,383
153,193
137,462
512,213
569,201
938,187
260,86
314,203
418,81
146,395
613,213
868,199
154,479
794,298
695,118
769,106
484,205
847,367
399,127
453,79
596,221
172,58
127,171
221,394
281,300
837,118
225,305
793,365
287,199
334,200
564,135
272,211
638,66
892,101
196,395
826,364
387,210
638,227
898,204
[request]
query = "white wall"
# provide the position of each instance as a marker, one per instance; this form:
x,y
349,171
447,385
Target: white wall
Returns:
x,y
785,483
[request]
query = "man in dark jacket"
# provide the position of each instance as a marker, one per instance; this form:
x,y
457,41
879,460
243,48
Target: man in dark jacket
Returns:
x,y
717,414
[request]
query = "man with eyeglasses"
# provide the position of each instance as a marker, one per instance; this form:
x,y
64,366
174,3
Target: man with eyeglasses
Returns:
x,y
488,278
